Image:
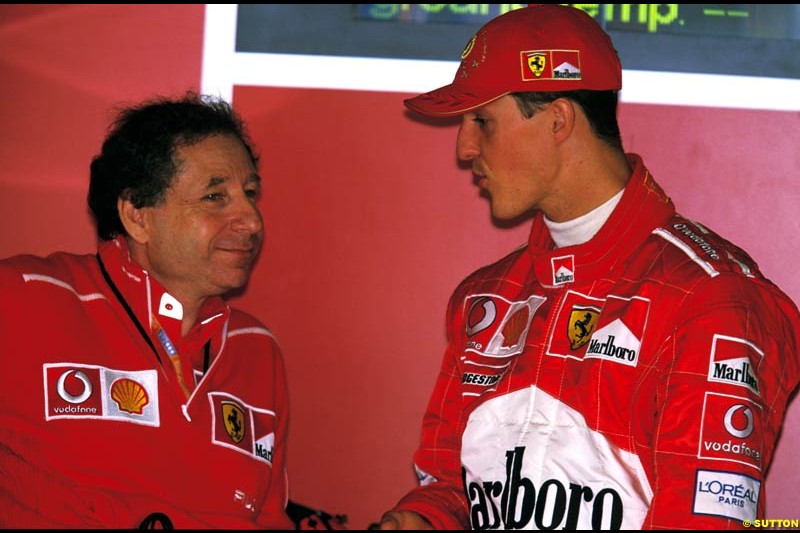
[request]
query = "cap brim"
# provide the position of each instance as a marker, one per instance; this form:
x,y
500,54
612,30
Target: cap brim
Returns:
x,y
449,100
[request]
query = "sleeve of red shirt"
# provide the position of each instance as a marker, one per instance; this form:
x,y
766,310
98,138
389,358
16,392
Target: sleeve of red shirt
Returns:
x,y
273,511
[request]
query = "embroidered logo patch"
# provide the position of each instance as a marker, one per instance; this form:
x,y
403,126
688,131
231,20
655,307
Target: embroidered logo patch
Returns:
x,y
536,63
242,427
130,395
731,362
233,418
730,430
608,328
581,324
563,269
497,327
481,314
726,494
468,48
88,391
550,65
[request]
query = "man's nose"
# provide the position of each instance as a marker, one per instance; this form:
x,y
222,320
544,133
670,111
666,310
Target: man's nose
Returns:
x,y
466,147
247,216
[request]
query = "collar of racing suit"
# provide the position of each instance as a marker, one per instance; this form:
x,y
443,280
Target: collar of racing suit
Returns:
x,y
643,201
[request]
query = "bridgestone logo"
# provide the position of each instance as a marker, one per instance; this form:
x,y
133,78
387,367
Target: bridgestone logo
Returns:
x,y
479,379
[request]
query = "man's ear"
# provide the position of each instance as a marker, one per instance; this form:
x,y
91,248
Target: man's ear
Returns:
x,y
563,118
133,219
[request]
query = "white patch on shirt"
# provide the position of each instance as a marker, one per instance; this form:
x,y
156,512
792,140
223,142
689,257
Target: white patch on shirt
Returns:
x,y
529,446
726,494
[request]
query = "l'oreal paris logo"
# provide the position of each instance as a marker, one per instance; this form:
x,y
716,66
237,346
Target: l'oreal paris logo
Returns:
x,y
726,494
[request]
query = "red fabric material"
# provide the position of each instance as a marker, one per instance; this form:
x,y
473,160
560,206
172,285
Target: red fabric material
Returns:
x,y
93,430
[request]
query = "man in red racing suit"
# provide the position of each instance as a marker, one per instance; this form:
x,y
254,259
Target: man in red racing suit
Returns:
x,y
638,380
628,368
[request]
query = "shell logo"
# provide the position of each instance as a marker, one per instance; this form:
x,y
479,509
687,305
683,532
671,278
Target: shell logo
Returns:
x,y
514,326
130,396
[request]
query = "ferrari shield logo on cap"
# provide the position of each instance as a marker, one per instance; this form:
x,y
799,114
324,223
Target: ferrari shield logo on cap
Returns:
x,y
551,65
537,61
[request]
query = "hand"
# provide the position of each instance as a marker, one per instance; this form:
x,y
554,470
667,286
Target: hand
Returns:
x,y
404,520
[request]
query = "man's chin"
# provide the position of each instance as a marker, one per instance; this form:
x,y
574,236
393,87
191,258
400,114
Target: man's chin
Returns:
x,y
501,214
234,282
509,218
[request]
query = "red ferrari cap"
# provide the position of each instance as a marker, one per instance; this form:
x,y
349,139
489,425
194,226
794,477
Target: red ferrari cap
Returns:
x,y
539,48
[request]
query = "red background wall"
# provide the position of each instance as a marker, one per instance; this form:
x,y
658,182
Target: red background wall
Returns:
x,y
370,222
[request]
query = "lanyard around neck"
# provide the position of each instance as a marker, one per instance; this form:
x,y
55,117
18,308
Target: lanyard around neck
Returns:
x,y
162,336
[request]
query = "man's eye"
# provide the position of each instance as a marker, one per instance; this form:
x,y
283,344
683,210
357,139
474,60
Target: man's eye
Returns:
x,y
252,193
213,197
480,121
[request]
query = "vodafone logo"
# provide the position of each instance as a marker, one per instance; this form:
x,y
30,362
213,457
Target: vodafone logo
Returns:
x,y
481,315
496,326
730,430
84,389
734,427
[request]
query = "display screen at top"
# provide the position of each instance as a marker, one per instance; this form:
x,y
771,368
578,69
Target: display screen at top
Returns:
x,y
727,39
771,21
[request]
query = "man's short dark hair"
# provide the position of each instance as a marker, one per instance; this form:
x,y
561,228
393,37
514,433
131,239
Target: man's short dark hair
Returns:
x,y
600,108
137,160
